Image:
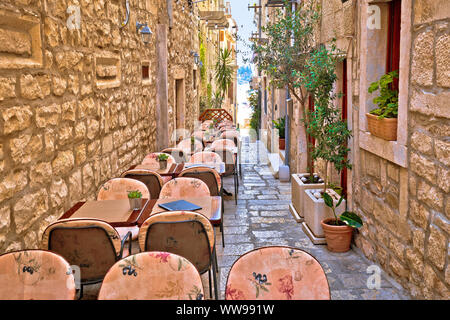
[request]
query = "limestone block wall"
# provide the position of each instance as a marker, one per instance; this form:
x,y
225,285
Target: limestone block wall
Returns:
x,y
75,110
406,210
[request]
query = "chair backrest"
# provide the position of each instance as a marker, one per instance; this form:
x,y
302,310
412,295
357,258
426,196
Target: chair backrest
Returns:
x,y
185,145
152,276
176,153
184,187
231,135
207,175
35,275
223,143
205,157
277,273
189,234
118,188
150,178
228,158
152,160
93,245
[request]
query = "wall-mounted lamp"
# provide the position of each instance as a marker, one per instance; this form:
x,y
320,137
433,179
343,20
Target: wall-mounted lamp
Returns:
x,y
196,57
146,33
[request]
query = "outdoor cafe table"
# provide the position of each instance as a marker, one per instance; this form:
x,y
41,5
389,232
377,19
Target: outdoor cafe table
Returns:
x,y
176,168
116,213
211,207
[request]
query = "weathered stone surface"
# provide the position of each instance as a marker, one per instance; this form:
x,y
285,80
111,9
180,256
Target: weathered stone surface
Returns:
x,y
442,149
7,88
40,174
30,88
68,60
26,147
430,104
443,61
63,163
15,42
430,195
423,167
28,209
437,248
88,178
48,115
422,142
58,192
59,85
422,68
443,179
5,218
80,154
430,10
16,119
419,214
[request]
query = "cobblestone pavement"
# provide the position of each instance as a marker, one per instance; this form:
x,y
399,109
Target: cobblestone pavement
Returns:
x,y
262,218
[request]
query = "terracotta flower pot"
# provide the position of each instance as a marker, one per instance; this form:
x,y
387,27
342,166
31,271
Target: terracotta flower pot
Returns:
x,y
338,237
383,128
281,143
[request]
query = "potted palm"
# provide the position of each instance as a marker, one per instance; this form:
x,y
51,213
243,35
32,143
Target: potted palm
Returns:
x,y
135,198
382,121
162,158
280,124
338,230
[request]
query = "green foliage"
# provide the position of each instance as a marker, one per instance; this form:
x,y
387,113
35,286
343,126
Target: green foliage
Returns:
x,y
256,111
163,157
280,124
387,101
223,73
134,194
351,219
202,57
325,121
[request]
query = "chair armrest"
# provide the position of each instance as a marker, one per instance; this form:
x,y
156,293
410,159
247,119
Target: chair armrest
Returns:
x,y
122,244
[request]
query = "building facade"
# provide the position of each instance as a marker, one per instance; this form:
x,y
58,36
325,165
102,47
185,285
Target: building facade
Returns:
x,y
83,97
400,188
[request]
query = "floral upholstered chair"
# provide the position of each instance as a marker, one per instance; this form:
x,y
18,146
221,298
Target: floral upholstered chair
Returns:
x,y
35,275
151,179
183,188
93,245
152,276
152,160
185,145
277,273
205,157
117,189
223,143
177,154
188,234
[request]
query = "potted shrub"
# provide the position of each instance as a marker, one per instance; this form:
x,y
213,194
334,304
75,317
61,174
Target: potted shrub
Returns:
x,y
162,158
280,124
338,231
382,121
135,198
331,136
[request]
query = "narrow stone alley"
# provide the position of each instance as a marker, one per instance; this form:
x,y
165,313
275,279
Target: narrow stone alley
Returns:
x,y
261,217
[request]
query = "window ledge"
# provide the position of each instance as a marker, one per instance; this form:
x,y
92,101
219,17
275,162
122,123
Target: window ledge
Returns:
x,y
389,150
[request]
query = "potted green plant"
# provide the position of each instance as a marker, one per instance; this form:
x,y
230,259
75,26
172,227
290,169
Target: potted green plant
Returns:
x,y
280,124
162,158
338,230
382,121
135,198
331,137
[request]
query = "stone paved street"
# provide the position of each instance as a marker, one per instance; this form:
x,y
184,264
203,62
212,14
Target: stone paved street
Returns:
x,y
262,218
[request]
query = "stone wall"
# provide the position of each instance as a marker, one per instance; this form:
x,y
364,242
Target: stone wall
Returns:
x,y
406,210
74,109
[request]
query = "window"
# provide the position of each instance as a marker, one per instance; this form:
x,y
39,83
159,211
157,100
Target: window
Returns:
x,y
382,45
